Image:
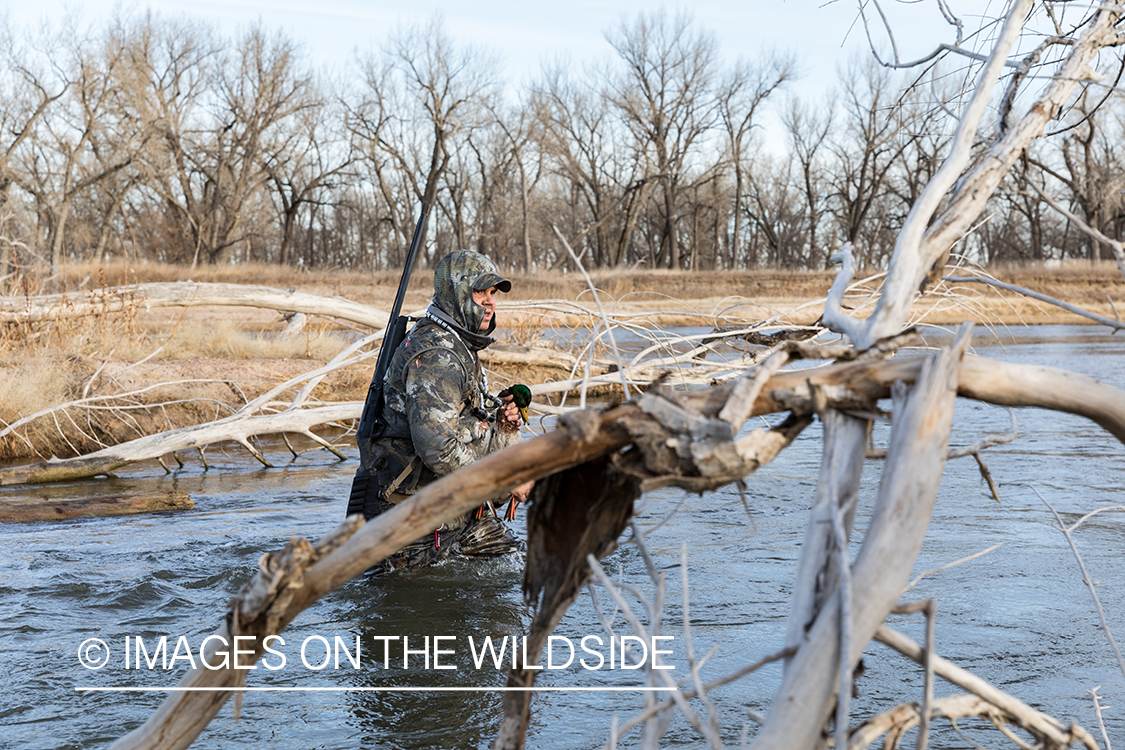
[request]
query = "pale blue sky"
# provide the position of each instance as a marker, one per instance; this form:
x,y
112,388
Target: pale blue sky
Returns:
x,y
822,33
525,33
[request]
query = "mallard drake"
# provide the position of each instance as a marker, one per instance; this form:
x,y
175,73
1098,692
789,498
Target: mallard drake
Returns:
x,y
521,395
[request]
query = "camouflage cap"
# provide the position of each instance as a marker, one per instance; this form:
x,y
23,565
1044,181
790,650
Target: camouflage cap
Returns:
x,y
489,280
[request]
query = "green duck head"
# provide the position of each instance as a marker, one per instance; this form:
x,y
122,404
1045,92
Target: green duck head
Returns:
x,y
521,395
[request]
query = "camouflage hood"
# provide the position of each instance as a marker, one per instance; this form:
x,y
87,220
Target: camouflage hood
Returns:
x,y
455,277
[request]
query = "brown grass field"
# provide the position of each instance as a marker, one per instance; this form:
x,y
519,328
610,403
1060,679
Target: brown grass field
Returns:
x,y
238,351
1080,283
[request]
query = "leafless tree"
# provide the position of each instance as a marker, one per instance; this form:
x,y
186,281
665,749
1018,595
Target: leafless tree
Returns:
x,y
867,146
740,96
922,115
259,92
775,208
1091,171
27,92
169,74
303,168
422,92
664,93
520,128
161,138
74,145
606,176
808,131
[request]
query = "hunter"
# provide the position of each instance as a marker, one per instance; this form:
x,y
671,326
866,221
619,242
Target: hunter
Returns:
x,y
440,415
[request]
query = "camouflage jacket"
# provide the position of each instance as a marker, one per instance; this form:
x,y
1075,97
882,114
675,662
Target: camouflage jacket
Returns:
x,y
437,408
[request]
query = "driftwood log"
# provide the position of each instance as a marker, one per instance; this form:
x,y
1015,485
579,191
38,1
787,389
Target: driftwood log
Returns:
x,y
857,383
237,428
183,294
59,509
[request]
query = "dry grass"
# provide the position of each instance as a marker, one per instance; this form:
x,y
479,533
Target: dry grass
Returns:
x,y
227,337
36,383
51,363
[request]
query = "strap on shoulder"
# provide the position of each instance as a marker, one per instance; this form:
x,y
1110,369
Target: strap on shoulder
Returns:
x,y
420,352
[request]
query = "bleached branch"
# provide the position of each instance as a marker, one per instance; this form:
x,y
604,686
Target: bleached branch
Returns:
x,y
1117,325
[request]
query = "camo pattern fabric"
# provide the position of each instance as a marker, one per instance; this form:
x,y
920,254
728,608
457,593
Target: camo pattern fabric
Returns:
x,y
435,409
438,408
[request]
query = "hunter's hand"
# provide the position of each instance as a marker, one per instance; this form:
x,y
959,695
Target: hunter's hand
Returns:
x,y
510,412
520,493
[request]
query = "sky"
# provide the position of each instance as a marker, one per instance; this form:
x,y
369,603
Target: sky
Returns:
x,y
527,33
822,34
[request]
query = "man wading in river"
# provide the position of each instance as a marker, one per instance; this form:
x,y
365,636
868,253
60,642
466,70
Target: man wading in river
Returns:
x,y
439,415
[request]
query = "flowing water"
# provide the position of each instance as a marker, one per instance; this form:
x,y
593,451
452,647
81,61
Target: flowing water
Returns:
x,y
1019,617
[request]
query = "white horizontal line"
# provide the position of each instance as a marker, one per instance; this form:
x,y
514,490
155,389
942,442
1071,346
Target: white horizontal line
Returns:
x,y
412,689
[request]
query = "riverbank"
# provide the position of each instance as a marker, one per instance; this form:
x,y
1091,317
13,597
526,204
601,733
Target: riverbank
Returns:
x,y
165,368
674,297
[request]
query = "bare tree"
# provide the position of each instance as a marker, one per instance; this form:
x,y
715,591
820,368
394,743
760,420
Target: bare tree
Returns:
x,y
605,175
808,131
168,77
578,137
740,95
259,92
304,166
520,128
385,188
162,136
664,94
27,92
218,118
775,209
870,141
1091,170
922,114
422,92
74,146
1022,225
495,175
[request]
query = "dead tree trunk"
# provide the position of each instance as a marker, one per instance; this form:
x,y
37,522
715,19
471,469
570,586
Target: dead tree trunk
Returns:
x,y
183,294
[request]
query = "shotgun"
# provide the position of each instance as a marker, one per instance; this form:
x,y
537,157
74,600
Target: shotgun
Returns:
x,y
371,423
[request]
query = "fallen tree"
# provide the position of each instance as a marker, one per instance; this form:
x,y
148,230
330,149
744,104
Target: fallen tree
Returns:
x,y
299,575
54,509
180,294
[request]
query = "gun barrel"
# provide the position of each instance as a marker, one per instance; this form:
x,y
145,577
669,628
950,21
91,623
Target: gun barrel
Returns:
x,y
392,337
404,282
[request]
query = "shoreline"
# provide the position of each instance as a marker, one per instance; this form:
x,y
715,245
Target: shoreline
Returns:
x,y
202,363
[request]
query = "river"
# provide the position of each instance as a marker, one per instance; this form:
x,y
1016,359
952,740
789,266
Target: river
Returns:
x,y
1019,617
